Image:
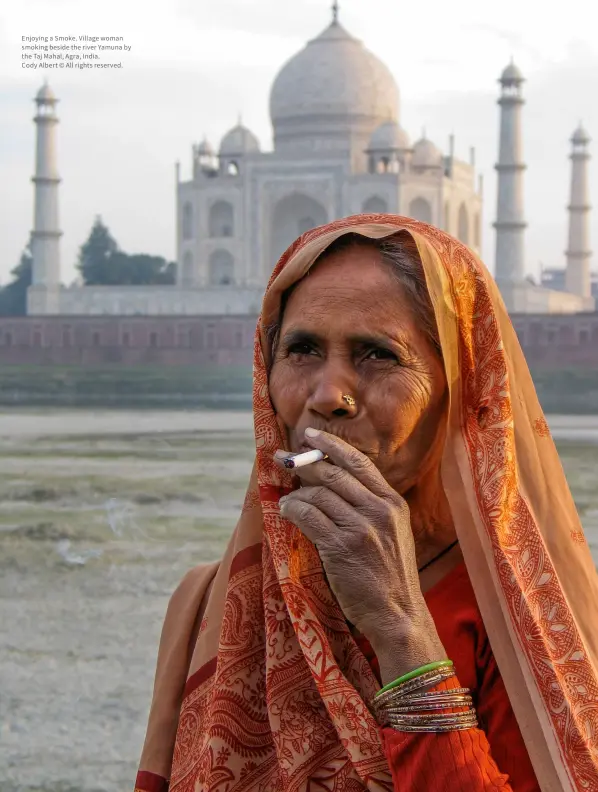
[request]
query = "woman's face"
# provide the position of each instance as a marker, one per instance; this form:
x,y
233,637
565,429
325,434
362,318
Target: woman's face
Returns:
x,y
348,329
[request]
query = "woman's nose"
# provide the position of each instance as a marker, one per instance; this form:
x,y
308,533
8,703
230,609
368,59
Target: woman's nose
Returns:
x,y
329,400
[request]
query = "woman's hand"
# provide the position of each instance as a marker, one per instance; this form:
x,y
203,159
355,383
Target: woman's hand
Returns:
x,y
361,529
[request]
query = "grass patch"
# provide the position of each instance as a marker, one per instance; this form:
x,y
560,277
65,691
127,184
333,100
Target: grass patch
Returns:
x,y
126,386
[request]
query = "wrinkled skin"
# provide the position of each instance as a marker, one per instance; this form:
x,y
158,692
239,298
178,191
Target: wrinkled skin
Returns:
x,y
375,510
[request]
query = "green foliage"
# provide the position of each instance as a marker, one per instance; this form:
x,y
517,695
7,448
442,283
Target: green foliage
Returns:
x,y
13,297
227,387
95,255
102,263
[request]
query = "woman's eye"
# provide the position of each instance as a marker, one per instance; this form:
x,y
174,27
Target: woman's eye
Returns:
x,y
380,354
300,348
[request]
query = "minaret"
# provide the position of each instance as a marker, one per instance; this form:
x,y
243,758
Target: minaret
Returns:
x,y
43,296
577,277
510,223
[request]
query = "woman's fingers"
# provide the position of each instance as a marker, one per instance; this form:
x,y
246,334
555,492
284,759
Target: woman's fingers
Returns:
x,y
350,459
335,479
310,520
332,505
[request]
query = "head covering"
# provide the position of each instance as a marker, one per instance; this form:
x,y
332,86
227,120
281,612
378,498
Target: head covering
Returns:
x,y
263,683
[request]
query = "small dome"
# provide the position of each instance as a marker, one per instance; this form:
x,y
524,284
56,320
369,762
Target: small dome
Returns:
x,y
426,155
580,136
389,137
511,75
239,140
205,149
45,94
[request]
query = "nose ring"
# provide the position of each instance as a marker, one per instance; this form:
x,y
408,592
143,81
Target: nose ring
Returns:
x,y
348,399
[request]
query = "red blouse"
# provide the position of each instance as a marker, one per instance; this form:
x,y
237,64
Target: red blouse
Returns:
x,y
488,758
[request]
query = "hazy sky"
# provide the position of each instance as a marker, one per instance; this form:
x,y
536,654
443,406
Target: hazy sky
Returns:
x,y
197,64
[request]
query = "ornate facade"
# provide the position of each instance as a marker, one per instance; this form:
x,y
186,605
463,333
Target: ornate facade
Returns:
x,y
339,150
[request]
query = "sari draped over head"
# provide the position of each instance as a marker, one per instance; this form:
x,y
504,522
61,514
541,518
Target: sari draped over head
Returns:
x,y
260,684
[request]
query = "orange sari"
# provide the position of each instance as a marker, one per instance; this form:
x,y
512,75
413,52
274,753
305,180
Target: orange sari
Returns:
x,y
260,684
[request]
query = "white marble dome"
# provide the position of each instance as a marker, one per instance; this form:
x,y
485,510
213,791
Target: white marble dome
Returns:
x,y
239,140
333,82
426,155
389,136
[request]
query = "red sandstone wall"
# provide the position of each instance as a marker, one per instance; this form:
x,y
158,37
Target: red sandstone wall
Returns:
x,y
550,340
559,340
128,340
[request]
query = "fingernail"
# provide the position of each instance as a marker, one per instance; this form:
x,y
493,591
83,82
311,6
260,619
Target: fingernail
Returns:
x,y
310,432
280,454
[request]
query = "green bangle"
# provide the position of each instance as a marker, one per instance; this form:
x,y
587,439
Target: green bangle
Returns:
x,y
415,673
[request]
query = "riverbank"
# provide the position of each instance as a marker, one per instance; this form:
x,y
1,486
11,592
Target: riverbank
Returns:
x,y
567,391
135,387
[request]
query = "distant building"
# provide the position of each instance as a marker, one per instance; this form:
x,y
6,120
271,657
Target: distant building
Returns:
x,y
339,149
557,279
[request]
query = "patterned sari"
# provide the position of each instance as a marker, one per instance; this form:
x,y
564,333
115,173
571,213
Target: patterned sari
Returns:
x,y
260,685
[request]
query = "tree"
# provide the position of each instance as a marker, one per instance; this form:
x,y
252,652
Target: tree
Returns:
x,y
138,269
13,297
102,263
142,269
95,255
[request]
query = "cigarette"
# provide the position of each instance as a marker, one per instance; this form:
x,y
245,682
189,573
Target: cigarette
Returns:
x,y
307,458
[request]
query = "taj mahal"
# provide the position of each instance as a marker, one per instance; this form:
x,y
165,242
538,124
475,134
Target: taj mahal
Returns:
x,y
339,149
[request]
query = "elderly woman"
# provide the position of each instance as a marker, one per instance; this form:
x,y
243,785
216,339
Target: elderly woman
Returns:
x,y
418,610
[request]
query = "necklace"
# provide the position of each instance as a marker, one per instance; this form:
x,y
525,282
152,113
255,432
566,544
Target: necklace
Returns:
x,y
436,558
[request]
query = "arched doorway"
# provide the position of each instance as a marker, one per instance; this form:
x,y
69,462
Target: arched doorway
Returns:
x,y
222,268
187,272
187,221
375,205
222,222
420,209
292,216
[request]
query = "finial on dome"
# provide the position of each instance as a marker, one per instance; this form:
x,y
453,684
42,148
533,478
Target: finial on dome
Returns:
x,y
335,12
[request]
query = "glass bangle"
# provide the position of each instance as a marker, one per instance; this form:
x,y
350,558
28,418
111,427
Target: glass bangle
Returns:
x,y
415,673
